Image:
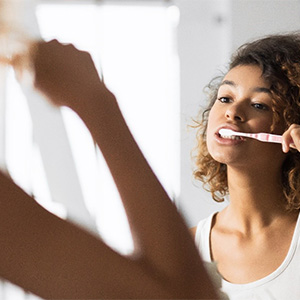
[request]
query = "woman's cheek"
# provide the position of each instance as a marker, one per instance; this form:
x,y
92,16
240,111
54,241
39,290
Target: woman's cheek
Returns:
x,y
210,142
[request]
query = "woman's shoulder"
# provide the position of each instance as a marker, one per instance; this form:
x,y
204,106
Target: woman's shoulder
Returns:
x,y
193,231
201,235
205,224
201,224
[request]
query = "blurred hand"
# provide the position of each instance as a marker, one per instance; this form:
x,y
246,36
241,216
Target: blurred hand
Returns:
x,y
65,75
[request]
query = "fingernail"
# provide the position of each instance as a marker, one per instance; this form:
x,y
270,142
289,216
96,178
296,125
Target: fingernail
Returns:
x,y
284,148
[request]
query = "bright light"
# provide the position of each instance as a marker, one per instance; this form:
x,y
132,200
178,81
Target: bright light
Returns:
x,y
134,46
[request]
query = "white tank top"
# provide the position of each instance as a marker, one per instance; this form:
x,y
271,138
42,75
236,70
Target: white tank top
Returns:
x,y
282,284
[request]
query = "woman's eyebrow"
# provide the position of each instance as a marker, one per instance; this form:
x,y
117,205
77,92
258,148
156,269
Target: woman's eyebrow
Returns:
x,y
258,89
262,90
228,82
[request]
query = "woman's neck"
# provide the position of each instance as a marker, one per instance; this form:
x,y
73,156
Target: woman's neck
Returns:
x,y
256,199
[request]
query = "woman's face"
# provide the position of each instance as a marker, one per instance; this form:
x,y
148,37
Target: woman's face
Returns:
x,y
244,103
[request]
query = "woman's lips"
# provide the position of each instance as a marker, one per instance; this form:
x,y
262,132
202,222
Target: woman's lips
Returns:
x,y
228,140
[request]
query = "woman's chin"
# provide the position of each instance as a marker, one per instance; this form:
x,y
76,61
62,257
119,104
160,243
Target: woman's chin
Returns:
x,y
229,158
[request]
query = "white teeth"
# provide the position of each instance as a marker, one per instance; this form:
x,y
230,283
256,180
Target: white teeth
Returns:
x,y
232,137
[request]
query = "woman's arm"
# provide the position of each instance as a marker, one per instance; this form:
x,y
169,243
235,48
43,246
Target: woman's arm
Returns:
x,y
63,261
55,259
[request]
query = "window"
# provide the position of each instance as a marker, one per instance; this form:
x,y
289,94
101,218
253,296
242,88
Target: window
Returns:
x,y
137,56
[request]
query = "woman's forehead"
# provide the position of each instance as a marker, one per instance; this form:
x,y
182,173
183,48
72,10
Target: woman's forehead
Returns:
x,y
245,77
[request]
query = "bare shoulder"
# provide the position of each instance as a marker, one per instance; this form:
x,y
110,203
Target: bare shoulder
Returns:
x,y
193,231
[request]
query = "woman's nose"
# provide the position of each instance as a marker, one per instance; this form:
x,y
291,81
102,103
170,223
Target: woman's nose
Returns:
x,y
235,113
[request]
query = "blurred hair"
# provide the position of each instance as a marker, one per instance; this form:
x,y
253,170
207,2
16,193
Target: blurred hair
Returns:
x,y
278,56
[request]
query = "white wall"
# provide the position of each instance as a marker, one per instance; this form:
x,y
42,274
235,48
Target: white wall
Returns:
x,y
254,18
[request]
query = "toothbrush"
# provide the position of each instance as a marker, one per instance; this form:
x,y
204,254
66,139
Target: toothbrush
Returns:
x,y
264,137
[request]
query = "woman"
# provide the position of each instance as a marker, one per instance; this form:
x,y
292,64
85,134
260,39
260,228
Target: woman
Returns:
x,y
255,240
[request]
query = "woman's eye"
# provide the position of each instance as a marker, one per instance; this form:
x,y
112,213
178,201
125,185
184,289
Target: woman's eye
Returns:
x,y
224,99
260,106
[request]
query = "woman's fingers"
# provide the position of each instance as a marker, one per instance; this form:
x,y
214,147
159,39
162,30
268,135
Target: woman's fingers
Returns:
x,y
291,138
64,74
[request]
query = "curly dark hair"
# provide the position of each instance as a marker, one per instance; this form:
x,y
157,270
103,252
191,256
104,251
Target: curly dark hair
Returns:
x,y
278,56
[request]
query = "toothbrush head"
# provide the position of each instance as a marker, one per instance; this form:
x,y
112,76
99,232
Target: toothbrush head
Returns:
x,y
227,132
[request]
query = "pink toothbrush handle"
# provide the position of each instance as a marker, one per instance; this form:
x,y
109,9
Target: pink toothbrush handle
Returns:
x,y
266,137
271,138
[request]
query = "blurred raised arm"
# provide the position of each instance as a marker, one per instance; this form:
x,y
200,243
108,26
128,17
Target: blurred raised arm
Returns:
x,y
63,261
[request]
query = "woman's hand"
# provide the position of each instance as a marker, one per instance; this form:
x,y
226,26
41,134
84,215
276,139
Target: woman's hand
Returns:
x,y
65,75
291,138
